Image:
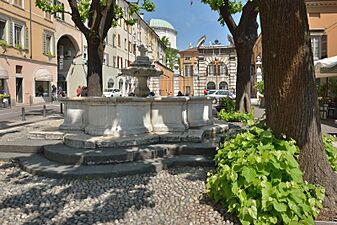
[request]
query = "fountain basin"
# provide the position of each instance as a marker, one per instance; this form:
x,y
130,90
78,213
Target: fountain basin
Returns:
x,y
125,116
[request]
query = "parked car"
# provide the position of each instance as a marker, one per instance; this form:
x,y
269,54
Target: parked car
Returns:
x,y
110,92
217,94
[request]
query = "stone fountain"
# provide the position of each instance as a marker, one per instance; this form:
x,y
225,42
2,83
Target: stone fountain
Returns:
x,y
134,116
142,69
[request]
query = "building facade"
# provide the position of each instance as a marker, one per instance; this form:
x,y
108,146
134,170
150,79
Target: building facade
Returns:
x,y
208,67
27,59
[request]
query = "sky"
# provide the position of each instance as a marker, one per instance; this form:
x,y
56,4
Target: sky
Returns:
x,y
190,21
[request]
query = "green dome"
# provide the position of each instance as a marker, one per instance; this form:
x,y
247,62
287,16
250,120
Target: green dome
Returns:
x,y
160,24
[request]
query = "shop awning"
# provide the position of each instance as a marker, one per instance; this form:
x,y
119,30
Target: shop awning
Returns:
x,y
43,75
3,73
326,67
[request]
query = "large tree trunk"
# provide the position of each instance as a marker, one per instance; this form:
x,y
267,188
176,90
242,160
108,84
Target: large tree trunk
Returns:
x,y
243,82
290,91
95,63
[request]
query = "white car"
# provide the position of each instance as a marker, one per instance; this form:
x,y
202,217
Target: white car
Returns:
x,y
110,92
217,94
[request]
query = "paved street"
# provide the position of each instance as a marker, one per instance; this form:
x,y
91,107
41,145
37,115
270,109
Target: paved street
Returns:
x,y
14,113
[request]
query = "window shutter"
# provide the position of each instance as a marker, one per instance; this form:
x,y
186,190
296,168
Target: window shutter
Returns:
x,y
10,38
324,46
26,38
44,43
62,13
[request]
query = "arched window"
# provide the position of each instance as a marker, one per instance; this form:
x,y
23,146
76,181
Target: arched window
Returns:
x,y
223,85
111,83
210,85
120,84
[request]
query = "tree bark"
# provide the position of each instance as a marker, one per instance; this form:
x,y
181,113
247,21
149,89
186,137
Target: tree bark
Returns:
x,y
95,64
245,36
243,84
290,90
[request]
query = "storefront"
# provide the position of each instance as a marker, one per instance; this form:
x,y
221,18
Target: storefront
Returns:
x,y
42,86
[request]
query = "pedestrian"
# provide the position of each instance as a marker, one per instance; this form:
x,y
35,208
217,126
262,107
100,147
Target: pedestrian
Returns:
x,y
60,92
84,92
79,90
180,93
53,93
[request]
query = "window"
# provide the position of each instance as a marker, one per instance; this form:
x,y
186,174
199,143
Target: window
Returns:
x,y
18,3
42,88
130,47
18,34
316,47
2,29
111,83
188,58
125,44
117,66
188,70
18,69
47,15
126,63
48,43
106,59
59,15
114,62
114,40
106,40
85,52
119,40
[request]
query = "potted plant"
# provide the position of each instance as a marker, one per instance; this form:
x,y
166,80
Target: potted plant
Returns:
x,y
260,89
5,99
4,45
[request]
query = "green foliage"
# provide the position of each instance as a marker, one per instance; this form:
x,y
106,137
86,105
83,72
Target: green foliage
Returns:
x,y
171,54
2,96
227,104
3,44
246,118
83,7
234,6
260,87
259,179
19,47
331,151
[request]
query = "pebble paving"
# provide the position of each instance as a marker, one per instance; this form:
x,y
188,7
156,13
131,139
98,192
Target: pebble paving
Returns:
x,y
175,196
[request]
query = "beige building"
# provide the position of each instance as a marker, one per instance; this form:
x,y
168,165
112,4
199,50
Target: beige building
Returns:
x,y
40,50
27,59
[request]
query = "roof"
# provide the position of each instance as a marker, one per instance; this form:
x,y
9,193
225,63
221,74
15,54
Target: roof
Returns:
x,y
161,24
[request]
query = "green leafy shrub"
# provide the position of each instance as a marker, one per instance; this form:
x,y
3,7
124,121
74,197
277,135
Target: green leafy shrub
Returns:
x,y
258,178
331,151
260,87
246,118
227,104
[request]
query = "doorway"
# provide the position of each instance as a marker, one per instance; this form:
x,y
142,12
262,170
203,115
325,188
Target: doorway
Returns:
x,y
19,90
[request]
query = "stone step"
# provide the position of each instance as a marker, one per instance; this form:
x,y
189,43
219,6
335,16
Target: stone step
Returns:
x,y
8,156
82,140
75,156
39,165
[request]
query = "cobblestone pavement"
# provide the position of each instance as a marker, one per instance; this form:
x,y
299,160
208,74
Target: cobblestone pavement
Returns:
x,y
174,196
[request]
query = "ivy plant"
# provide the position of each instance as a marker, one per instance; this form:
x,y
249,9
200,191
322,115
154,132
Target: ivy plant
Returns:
x,y
331,151
258,178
